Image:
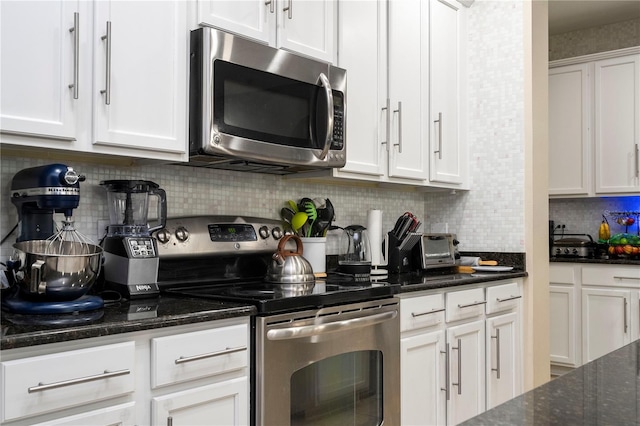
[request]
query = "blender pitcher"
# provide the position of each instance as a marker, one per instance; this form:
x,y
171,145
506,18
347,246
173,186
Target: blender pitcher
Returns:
x,y
128,202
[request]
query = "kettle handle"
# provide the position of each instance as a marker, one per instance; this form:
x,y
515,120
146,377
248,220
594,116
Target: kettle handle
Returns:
x,y
284,240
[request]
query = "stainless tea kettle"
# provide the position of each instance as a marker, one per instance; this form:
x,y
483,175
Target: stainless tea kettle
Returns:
x,y
289,267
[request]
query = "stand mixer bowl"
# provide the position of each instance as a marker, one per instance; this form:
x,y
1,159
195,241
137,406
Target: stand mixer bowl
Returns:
x,y
45,276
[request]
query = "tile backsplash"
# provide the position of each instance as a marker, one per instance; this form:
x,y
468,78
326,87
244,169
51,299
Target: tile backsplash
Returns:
x,y
489,217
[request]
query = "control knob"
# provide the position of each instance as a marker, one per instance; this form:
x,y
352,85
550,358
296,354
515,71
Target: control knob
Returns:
x,y
163,236
182,234
276,232
264,232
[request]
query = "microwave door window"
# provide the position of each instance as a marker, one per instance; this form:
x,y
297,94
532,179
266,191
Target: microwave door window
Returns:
x,y
258,105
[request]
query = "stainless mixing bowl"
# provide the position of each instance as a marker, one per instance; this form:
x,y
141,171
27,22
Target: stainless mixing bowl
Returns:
x,y
43,275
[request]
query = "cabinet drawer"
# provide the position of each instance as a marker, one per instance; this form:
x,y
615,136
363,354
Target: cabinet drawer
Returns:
x,y
465,304
562,274
503,297
199,354
52,382
421,311
626,276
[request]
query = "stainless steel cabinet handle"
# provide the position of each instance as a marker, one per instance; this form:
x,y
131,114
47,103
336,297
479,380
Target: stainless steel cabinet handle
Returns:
x,y
625,278
106,375
313,330
76,53
484,302
508,298
446,389
433,311
226,351
324,82
459,349
439,150
387,121
169,421
289,8
107,90
399,111
271,4
626,325
497,337
637,161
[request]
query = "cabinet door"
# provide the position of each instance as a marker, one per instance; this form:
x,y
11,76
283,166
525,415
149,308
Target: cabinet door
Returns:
x,y
617,124
569,130
563,332
255,19
466,372
605,321
504,354
37,68
408,88
224,404
362,47
140,94
307,27
446,139
422,363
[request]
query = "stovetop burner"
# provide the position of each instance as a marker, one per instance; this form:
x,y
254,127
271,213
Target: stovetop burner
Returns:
x,y
270,298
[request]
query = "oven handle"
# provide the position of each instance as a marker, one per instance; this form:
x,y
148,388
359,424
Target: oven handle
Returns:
x,y
314,330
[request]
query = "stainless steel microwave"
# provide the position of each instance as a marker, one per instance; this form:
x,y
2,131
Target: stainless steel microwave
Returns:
x,y
256,108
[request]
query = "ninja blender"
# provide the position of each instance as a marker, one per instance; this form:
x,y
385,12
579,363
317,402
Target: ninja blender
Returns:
x,y
130,252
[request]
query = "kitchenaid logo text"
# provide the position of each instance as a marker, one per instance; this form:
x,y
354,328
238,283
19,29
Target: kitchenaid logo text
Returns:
x,y
145,287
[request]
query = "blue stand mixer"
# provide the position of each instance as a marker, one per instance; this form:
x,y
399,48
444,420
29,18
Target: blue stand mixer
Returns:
x,y
52,269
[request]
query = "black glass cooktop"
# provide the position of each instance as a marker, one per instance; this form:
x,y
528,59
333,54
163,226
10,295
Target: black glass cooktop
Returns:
x,y
270,298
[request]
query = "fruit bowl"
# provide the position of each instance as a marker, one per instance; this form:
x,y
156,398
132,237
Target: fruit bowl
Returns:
x,y
624,245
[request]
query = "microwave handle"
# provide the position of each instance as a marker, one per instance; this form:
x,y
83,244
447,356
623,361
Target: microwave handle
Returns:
x,y
324,82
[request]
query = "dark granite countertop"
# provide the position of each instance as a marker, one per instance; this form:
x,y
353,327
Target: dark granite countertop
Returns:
x,y
596,261
603,392
122,317
419,282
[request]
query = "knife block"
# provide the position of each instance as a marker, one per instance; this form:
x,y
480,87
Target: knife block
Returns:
x,y
400,258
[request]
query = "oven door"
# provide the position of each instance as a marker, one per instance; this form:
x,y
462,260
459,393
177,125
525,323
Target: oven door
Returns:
x,y
337,365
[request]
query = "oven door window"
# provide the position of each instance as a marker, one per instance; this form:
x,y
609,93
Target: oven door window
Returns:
x,y
258,105
343,389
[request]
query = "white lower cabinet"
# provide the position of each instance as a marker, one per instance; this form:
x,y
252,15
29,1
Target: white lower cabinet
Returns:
x,y
595,309
461,351
198,374
220,404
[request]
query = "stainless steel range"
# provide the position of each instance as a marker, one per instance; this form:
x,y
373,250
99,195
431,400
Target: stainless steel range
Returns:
x,y
326,355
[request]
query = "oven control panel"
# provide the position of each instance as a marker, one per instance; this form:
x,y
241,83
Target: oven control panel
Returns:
x,y
193,236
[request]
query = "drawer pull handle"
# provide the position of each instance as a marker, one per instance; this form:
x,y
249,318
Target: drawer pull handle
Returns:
x,y
484,302
227,351
508,298
106,375
626,278
433,311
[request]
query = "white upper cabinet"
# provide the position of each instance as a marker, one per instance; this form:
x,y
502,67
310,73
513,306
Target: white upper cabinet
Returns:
x,y
140,75
38,66
363,52
302,26
385,48
105,77
617,125
569,130
408,91
448,153
594,125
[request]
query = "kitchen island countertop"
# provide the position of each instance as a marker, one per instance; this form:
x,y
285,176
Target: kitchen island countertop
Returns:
x,y
605,391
